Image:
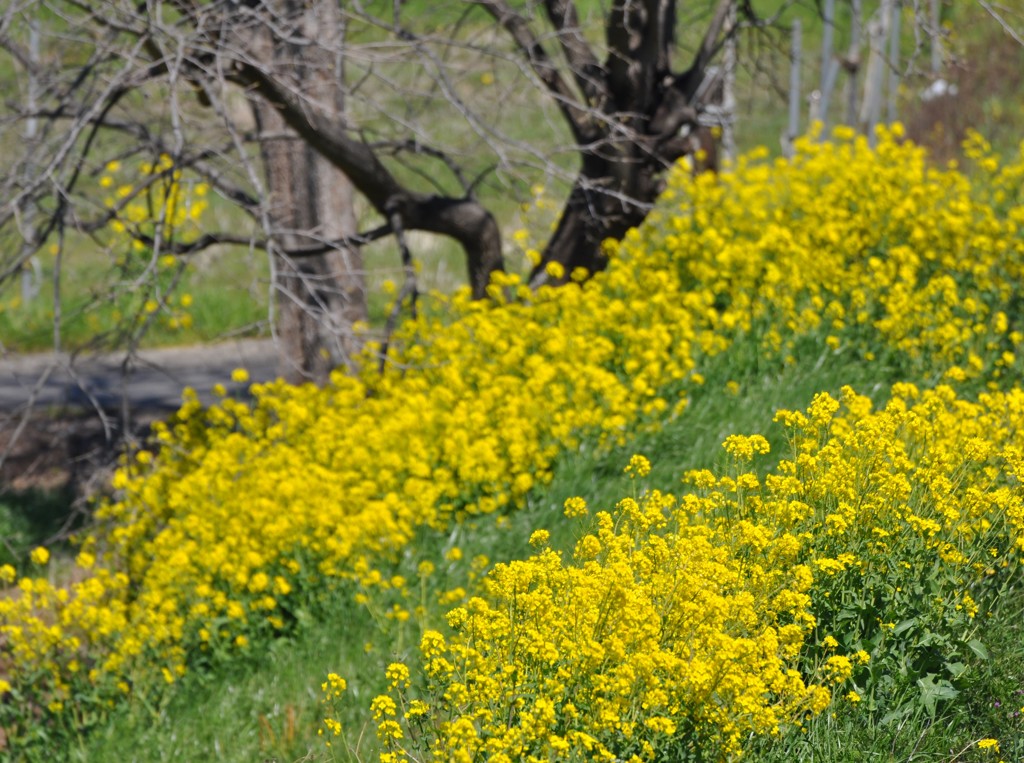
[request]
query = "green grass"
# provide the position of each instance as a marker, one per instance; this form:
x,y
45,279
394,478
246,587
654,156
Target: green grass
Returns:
x,y
990,705
266,707
28,518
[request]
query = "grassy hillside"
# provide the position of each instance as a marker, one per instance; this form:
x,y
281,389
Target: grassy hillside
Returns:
x,y
755,488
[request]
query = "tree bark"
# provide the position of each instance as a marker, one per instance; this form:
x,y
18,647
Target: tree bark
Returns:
x,y
318,298
633,110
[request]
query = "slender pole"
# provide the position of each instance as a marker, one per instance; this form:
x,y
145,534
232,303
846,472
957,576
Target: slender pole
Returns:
x,y
853,61
874,80
828,19
729,90
794,89
820,98
31,274
894,60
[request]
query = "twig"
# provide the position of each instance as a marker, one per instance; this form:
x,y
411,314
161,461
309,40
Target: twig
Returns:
x,y
409,289
1002,22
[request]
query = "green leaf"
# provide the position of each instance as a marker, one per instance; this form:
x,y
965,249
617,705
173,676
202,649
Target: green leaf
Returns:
x,y
979,649
934,691
898,714
955,669
904,626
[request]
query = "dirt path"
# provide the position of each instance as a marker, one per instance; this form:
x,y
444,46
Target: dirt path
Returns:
x,y
152,380
62,423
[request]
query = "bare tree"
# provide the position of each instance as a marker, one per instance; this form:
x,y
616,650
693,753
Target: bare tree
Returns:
x,y
356,93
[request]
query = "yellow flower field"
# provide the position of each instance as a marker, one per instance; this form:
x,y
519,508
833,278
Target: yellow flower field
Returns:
x,y
757,589
683,625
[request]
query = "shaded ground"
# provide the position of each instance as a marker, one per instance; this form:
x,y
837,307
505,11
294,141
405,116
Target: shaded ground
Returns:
x,y
151,380
63,424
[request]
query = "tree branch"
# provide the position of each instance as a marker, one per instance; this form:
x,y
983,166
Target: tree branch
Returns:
x,y
585,67
579,118
207,240
709,46
464,219
414,146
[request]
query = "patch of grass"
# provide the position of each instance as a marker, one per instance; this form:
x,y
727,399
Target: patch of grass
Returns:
x,y
268,707
990,706
28,518
263,708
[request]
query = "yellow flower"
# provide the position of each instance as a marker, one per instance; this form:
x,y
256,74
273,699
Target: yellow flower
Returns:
x,y
555,270
382,707
334,686
744,448
838,669
398,674
40,556
638,466
85,560
574,507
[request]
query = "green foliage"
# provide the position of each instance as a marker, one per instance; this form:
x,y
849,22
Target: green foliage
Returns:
x,y
740,299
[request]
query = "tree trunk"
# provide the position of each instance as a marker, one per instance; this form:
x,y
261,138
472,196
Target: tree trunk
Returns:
x,y
648,119
319,297
594,211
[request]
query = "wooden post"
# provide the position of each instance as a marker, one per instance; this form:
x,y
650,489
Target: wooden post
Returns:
x,y
794,90
32,272
936,40
874,78
894,60
828,19
853,62
819,109
728,106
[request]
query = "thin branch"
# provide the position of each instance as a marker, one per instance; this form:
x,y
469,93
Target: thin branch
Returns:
x,y
207,240
413,145
580,122
1002,22
709,46
409,289
583,64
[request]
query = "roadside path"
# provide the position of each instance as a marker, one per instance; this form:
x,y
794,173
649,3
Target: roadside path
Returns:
x,y
152,380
